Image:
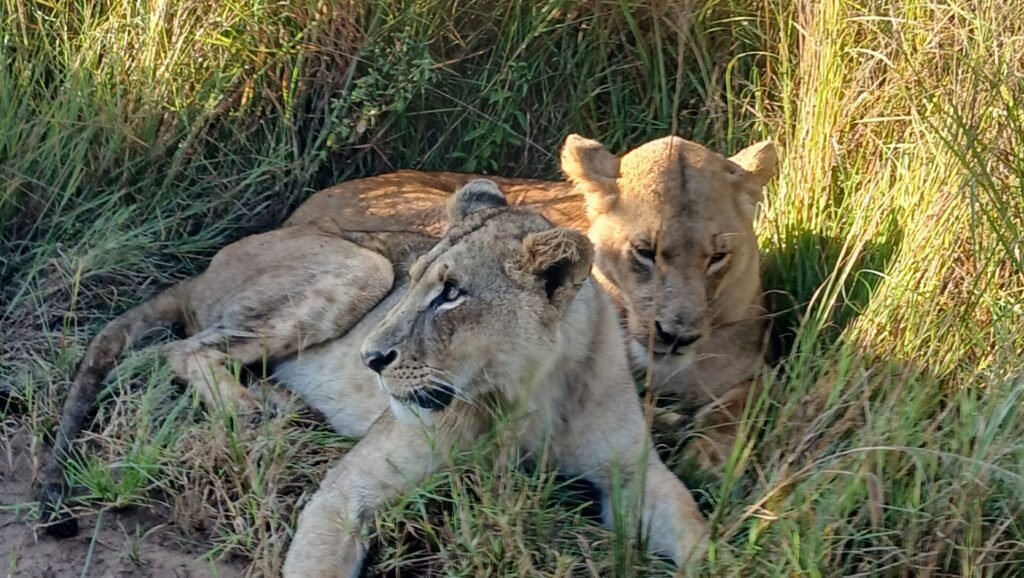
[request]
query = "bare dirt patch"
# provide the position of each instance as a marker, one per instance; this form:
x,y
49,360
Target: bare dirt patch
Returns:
x,y
138,542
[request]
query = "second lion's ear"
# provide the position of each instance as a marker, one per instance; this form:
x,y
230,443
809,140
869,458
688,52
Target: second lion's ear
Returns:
x,y
474,196
593,171
760,163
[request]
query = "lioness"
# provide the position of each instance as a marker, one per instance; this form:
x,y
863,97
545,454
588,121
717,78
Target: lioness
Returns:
x,y
559,359
673,227
432,350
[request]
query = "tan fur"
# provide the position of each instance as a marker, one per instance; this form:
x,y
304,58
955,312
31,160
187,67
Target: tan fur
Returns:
x,y
705,320
567,379
414,201
310,295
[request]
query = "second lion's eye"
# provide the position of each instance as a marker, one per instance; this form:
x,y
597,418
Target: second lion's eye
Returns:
x,y
643,254
717,262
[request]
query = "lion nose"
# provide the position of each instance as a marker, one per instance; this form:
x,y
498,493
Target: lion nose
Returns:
x,y
673,339
378,360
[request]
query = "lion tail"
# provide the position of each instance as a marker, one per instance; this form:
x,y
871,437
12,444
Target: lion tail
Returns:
x,y
102,355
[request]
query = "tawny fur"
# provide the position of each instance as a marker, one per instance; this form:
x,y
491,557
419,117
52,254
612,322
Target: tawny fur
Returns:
x,y
567,378
266,297
686,204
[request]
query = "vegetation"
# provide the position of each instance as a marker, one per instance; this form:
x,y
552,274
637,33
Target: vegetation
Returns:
x,y
138,137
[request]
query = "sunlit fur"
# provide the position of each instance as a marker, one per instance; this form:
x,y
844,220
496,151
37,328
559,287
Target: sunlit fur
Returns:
x,y
673,229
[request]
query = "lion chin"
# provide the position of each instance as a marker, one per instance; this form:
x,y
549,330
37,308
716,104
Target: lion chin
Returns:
x,y
410,413
641,355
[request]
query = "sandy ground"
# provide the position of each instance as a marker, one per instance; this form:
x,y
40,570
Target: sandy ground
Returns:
x,y
118,549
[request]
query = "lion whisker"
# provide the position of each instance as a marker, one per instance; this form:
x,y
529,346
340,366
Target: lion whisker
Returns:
x,y
456,392
444,378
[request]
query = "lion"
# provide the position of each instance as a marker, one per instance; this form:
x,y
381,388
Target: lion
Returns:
x,y
424,336
446,374
263,298
672,223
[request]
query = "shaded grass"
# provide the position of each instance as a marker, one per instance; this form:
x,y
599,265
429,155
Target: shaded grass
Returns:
x,y
137,138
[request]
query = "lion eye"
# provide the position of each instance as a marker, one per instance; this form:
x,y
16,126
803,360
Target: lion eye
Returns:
x,y
450,292
449,297
643,255
717,260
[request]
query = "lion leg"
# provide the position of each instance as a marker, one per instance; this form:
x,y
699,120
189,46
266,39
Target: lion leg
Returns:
x,y
669,516
297,289
205,368
202,360
718,425
673,523
609,446
390,460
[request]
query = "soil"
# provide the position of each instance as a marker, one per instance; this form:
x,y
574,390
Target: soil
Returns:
x,y
131,543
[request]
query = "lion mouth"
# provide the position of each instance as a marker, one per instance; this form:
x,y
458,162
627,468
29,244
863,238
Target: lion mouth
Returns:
x,y
659,350
430,398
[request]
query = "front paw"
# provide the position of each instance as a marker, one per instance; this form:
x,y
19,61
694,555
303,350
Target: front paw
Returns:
x,y
710,450
324,544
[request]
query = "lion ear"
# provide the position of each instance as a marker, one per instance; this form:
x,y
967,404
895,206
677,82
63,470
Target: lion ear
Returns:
x,y
760,161
474,196
593,171
558,259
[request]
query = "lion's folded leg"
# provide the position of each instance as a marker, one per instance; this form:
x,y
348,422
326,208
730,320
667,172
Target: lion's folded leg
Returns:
x,y
204,367
674,525
391,459
610,448
717,426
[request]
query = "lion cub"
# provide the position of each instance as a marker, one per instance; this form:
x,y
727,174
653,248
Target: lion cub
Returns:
x,y
500,315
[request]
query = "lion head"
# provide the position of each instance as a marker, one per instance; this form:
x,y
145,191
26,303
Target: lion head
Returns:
x,y
500,274
672,227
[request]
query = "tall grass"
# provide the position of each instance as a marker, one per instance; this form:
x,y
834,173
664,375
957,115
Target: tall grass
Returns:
x,y
136,138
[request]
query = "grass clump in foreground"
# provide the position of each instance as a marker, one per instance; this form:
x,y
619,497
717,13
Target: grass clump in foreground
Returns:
x,y
137,138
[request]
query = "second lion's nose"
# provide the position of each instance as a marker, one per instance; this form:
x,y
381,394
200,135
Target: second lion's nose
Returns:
x,y
665,337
